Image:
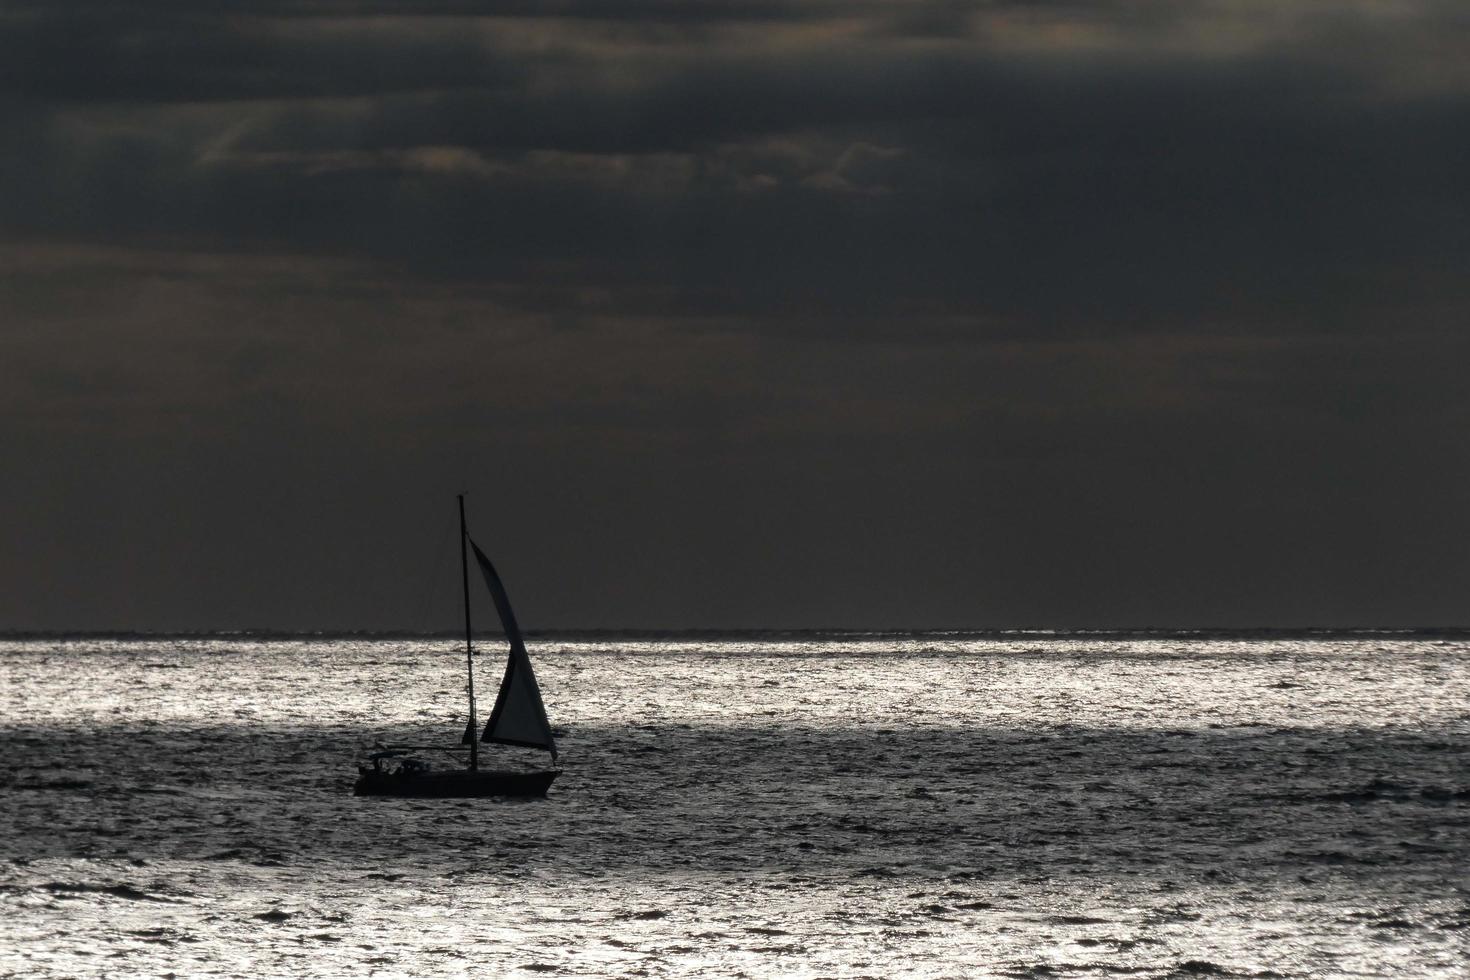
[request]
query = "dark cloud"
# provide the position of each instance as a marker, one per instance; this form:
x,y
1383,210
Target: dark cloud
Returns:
x,y
752,313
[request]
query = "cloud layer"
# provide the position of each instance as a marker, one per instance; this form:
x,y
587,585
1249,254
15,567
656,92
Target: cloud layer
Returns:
x,y
756,314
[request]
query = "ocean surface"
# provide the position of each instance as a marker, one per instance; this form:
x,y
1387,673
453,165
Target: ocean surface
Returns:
x,y
804,805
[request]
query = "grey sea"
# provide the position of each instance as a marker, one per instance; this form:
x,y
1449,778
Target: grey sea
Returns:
x,y
803,805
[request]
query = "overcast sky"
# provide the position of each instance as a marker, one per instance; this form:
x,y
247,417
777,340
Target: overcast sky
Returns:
x,y
735,313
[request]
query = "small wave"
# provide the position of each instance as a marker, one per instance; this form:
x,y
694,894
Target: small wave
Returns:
x,y
1393,924
228,855
60,785
1332,857
1376,791
1383,790
124,890
162,937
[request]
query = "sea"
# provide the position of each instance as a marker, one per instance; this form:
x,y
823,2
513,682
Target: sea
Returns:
x,y
1031,804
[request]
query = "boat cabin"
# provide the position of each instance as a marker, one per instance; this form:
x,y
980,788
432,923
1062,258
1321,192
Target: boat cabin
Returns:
x,y
408,765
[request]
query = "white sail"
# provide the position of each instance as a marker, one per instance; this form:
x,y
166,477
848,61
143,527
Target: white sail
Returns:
x,y
519,716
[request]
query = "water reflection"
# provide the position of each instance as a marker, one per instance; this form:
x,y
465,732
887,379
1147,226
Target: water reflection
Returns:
x,y
1164,809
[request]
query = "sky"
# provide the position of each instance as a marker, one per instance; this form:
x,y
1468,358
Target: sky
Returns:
x,y
735,313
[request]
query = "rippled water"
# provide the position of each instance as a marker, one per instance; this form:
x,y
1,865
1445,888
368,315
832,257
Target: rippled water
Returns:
x,y
925,805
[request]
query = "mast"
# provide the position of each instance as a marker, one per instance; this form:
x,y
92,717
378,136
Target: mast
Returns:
x,y
469,651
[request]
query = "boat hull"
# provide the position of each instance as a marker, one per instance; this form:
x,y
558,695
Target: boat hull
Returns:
x,y
458,784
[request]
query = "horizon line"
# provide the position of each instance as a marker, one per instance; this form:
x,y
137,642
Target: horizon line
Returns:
x,y
719,631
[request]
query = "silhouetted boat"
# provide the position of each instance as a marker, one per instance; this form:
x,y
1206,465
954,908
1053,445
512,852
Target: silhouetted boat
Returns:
x,y
518,718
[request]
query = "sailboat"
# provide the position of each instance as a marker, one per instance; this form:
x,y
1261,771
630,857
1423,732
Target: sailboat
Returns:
x,y
518,718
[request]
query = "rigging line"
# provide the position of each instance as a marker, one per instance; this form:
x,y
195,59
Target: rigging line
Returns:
x,y
436,562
